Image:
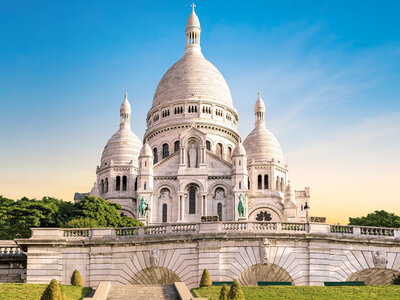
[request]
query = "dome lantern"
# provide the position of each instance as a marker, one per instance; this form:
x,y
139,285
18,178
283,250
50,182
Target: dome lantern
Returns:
x,y
193,30
259,111
125,112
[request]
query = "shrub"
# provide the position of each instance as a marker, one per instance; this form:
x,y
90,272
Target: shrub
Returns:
x,y
63,294
235,293
396,279
52,291
223,295
76,279
205,279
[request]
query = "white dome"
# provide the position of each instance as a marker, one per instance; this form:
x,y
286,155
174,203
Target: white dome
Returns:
x,y
239,150
192,78
262,145
122,148
146,150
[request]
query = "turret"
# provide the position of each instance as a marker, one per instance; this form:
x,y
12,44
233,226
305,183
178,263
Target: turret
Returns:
x,y
239,182
145,183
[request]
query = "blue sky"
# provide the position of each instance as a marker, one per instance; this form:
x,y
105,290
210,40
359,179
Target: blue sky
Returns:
x,y
329,72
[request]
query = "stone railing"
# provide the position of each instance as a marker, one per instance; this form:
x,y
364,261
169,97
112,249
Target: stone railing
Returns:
x,y
213,227
341,229
10,248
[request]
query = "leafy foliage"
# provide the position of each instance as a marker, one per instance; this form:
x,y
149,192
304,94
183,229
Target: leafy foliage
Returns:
x,y
235,293
52,292
17,217
76,279
379,218
396,279
223,295
205,279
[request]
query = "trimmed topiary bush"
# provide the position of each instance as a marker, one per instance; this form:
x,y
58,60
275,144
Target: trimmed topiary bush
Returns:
x,y
63,294
235,293
52,291
76,279
396,279
223,295
205,279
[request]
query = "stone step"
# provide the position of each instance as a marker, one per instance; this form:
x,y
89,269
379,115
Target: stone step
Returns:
x,y
142,292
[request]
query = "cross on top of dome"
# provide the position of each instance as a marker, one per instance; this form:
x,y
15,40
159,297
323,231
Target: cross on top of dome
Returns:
x,y
193,6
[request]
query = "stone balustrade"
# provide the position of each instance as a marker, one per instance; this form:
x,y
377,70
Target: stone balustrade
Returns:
x,y
217,227
9,248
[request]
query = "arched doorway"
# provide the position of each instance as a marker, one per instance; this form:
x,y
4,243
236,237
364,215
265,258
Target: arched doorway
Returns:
x,y
374,276
155,275
264,272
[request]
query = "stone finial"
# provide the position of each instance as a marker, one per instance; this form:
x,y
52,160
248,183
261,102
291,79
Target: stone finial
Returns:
x,y
193,6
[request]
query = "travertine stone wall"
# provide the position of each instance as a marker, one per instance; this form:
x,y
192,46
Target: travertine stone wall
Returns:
x,y
303,258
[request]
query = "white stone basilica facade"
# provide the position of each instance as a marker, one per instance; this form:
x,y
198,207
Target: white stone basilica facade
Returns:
x,y
192,162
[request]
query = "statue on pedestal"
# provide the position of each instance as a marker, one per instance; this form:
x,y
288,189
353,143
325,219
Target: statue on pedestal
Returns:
x,y
242,206
192,156
143,208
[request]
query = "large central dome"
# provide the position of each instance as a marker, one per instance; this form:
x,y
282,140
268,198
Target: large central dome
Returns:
x,y
192,78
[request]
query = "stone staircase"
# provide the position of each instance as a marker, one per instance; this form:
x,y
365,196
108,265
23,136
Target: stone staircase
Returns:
x,y
142,292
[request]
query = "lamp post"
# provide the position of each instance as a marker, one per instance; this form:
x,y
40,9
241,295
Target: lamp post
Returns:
x,y
307,208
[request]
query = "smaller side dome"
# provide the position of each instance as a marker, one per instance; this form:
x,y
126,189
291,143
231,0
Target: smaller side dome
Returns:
x,y
239,150
146,151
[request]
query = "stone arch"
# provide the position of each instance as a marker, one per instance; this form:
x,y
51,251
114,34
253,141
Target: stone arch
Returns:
x,y
264,272
266,207
193,135
374,276
185,184
155,275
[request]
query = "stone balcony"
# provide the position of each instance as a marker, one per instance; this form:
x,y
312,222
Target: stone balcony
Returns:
x,y
212,228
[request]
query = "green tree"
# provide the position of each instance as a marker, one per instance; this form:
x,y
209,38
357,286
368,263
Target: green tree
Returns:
x,y
379,218
105,213
205,279
235,293
76,279
223,295
17,217
52,291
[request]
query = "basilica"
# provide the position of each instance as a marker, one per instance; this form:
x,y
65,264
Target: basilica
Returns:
x,y
193,164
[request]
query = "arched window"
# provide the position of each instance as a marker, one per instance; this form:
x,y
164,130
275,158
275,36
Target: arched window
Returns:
x,y
282,185
106,186
240,162
208,145
229,154
155,154
144,186
192,201
164,213
136,184
277,183
219,211
240,184
118,183
124,183
248,183
102,186
266,182
218,150
176,146
259,182
165,150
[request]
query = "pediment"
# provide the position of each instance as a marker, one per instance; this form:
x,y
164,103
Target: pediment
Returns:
x,y
216,166
167,166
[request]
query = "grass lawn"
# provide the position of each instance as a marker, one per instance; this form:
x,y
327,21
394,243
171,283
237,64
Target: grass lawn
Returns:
x,y
26,291
308,292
